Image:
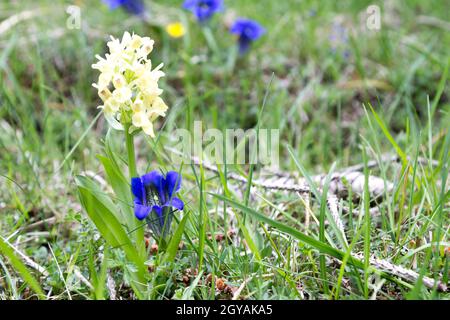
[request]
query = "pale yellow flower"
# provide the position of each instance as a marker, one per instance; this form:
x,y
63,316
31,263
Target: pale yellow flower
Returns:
x,y
138,106
111,106
122,95
128,86
159,107
104,94
136,42
175,30
139,119
148,129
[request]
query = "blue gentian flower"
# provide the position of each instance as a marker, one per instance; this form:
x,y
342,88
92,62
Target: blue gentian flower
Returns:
x,y
132,6
203,9
155,200
247,31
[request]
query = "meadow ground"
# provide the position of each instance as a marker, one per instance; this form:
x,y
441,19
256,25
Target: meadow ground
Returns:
x,y
340,94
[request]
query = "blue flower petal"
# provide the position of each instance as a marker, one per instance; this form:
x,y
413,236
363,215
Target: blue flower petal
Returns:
x,y
113,4
176,203
138,201
155,180
159,212
248,31
157,209
138,189
133,6
247,28
244,45
203,9
190,4
172,183
140,211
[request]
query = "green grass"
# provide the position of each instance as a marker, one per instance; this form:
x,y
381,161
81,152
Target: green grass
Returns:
x,y
336,104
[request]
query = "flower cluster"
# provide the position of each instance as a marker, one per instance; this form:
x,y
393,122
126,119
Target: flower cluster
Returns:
x,y
155,200
128,86
133,6
203,9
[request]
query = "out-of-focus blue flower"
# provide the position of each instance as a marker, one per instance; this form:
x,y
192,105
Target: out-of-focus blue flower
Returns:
x,y
133,6
155,200
339,41
247,31
203,9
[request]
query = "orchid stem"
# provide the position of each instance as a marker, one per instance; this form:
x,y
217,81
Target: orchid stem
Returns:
x,y
130,151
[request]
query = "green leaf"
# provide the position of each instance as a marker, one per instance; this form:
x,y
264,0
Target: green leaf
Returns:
x,y
102,212
187,294
122,190
172,248
388,135
20,267
251,244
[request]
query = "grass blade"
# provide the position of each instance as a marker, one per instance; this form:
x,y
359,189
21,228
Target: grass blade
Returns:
x,y
172,248
20,267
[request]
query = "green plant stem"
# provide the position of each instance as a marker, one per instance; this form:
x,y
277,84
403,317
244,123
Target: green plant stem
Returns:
x,y
130,151
210,39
